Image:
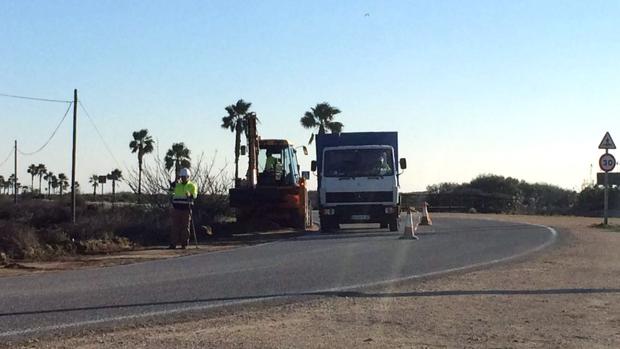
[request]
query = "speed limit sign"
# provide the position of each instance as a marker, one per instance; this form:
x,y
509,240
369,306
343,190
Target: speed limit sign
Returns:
x,y
607,162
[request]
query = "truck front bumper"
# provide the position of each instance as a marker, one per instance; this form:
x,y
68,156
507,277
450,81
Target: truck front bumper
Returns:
x,y
347,214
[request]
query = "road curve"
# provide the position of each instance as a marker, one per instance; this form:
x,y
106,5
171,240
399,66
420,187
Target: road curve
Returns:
x,y
310,264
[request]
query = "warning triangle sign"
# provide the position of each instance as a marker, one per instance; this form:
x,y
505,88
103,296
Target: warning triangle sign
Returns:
x,y
607,142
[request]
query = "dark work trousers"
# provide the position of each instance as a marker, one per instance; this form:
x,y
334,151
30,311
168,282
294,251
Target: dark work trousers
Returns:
x,y
179,234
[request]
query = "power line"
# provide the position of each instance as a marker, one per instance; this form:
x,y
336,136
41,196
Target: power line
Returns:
x,y
34,98
7,157
51,136
105,144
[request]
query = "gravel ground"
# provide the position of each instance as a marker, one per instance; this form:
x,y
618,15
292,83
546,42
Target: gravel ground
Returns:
x,y
565,297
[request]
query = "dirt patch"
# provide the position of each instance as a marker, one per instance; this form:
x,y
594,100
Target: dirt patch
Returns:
x,y
565,297
25,267
103,260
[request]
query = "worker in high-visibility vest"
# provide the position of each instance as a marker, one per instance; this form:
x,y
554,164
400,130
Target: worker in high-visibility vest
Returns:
x,y
184,193
270,162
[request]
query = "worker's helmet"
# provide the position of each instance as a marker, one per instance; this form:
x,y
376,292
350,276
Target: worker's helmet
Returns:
x,y
184,172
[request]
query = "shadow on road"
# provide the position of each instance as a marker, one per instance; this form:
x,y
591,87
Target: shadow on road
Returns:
x,y
350,294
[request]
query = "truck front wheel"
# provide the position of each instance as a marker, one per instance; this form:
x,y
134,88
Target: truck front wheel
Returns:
x,y
394,224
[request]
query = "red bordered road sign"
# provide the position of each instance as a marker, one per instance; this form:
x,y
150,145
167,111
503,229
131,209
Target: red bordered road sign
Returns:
x,y
607,162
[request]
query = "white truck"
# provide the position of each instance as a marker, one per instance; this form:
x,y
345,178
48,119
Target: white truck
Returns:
x,y
358,179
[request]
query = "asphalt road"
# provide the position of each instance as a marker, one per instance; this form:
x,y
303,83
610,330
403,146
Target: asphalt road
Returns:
x,y
303,266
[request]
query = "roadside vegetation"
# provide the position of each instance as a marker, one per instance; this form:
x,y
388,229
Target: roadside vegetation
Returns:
x,y
497,194
38,226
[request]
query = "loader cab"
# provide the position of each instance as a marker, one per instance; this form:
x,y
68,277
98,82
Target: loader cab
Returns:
x,y
277,163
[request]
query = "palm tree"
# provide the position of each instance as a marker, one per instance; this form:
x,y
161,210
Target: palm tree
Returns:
x,y
236,122
6,185
63,182
94,181
142,144
177,156
49,177
33,170
55,184
114,176
322,116
11,183
2,184
41,170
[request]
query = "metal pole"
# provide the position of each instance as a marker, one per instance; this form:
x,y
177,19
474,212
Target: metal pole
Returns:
x,y
606,205
193,227
75,102
15,175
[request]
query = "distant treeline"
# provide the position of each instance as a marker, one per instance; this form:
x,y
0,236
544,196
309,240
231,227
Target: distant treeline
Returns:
x,y
498,194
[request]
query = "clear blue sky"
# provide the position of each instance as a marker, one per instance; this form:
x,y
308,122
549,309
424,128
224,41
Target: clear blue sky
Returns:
x,y
517,88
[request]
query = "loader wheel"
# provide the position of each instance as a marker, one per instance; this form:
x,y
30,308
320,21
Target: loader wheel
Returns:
x,y
327,225
298,220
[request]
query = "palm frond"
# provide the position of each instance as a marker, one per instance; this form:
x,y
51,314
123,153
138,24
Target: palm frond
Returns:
x,y
334,126
308,120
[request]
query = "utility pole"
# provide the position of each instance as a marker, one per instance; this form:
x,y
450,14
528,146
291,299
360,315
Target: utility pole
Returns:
x,y
15,175
75,102
606,198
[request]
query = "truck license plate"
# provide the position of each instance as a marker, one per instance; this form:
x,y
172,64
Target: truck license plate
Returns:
x,y
360,217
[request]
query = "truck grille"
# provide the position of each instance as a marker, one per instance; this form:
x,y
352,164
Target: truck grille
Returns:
x,y
363,196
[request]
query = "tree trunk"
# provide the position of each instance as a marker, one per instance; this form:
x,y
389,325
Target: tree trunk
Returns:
x,y
32,183
139,175
40,177
237,149
113,190
94,190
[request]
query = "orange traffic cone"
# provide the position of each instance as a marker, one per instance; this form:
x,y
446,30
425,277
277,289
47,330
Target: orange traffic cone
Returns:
x,y
410,226
426,218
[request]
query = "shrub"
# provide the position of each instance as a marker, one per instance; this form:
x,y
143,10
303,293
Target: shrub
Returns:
x,y
19,241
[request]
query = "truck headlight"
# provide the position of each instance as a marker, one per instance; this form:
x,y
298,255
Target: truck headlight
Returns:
x,y
389,209
329,211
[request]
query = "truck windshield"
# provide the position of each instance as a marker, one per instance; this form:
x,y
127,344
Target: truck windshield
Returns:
x,y
358,163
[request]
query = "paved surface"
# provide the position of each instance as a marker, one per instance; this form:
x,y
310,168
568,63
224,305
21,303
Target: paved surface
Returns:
x,y
312,263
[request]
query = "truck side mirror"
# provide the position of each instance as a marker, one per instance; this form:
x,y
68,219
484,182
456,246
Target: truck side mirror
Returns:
x,y
305,150
313,165
403,163
305,174
242,150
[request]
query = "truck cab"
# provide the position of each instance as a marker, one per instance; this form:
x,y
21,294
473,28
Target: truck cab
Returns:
x,y
358,179
282,168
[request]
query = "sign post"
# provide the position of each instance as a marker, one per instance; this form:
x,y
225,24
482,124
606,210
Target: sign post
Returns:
x,y
607,163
